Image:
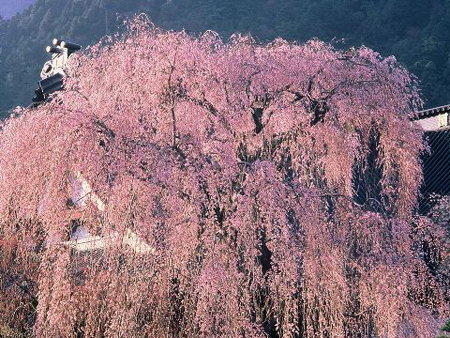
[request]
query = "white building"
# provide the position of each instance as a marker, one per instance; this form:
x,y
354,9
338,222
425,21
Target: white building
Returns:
x,y
434,119
82,240
435,163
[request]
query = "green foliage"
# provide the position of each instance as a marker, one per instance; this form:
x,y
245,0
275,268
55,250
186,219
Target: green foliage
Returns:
x,y
446,327
415,31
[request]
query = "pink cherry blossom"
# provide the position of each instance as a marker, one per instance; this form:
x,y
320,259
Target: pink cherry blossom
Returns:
x,y
237,163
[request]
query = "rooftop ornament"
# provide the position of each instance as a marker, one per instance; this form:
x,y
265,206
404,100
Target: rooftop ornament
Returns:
x,y
54,70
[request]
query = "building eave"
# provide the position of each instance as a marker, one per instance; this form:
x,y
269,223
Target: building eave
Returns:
x,y
430,112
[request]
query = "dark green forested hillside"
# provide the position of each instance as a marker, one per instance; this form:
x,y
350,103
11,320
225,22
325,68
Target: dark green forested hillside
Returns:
x,y
417,32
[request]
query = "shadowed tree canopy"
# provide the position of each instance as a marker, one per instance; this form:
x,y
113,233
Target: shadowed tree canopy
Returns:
x,y
236,163
10,8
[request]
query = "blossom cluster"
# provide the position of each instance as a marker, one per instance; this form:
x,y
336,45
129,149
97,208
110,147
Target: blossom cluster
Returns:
x,y
275,183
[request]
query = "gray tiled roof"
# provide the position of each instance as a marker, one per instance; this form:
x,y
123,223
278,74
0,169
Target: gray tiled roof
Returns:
x,y
430,112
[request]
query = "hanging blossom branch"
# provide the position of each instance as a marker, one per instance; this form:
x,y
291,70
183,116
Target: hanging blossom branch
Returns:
x,y
238,168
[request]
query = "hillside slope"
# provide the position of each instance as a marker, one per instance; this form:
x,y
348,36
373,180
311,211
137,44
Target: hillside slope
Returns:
x,y
417,33
9,8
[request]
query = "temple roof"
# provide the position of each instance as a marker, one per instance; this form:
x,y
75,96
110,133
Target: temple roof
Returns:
x,y
430,112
